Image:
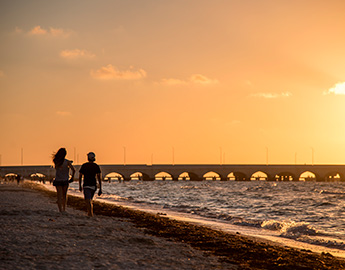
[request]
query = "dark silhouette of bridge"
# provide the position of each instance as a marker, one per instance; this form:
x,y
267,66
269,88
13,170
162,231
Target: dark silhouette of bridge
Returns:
x,y
199,172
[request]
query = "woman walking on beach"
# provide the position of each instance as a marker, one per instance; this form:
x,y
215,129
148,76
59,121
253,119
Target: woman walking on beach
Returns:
x,y
89,171
61,181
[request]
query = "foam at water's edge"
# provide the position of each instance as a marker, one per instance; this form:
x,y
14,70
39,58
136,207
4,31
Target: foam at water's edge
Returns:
x,y
303,232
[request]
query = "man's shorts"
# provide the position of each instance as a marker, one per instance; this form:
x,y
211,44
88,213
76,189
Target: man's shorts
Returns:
x,y
89,193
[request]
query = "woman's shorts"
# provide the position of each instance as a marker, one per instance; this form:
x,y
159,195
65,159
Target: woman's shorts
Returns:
x,y
88,193
60,183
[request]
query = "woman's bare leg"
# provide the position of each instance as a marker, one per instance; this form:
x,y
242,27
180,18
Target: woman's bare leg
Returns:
x,y
59,194
64,198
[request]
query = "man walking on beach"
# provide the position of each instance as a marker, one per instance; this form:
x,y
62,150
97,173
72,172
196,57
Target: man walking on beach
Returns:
x,y
89,171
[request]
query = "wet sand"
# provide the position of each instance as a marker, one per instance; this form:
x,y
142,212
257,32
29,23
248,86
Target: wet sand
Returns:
x,y
34,235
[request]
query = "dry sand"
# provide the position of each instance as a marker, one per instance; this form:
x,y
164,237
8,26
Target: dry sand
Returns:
x,y
34,235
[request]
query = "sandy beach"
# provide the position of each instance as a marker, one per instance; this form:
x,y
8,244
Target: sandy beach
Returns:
x,y
34,235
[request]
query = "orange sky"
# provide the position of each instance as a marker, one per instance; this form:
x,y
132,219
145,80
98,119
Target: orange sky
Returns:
x,y
186,81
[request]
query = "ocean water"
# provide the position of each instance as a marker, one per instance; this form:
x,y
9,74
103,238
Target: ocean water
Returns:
x,y
308,212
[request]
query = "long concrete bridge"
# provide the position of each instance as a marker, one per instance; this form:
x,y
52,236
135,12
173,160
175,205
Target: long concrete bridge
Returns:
x,y
200,172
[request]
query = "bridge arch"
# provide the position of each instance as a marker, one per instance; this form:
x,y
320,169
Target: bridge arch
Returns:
x,y
10,176
334,177
308,176
112,176
184,176
140,176
211,176
285,176
38,177
137,176
259,176
231,176
163,176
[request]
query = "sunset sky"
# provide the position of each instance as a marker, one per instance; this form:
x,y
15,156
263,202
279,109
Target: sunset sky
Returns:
x,y
180,81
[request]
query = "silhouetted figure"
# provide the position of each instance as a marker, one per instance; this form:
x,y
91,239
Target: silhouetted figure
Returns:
x,y
61,181
89,171
18,179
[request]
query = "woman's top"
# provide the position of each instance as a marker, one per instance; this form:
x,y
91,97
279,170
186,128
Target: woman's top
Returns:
x,y
62,172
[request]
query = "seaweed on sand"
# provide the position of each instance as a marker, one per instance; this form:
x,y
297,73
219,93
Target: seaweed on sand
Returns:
x,y
248,253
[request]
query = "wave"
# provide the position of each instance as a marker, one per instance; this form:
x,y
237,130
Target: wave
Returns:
x,y
332,192
299,231
112,197
289,228
324,204
202,186
303,232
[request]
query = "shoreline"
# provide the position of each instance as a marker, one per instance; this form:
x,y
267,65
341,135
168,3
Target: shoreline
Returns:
x,y
269,236
231,250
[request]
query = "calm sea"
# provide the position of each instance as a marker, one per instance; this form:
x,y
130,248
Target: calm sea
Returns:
x,y
307,212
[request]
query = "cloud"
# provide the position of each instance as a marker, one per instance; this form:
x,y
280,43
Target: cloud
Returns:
x,y
53,32
272,95
201,79
58,32
76,53
63,113
37,30
110,72
194,79
337,89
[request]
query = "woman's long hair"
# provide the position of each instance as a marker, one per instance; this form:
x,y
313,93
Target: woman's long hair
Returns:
x,y
59,157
